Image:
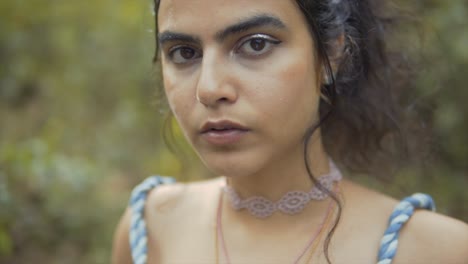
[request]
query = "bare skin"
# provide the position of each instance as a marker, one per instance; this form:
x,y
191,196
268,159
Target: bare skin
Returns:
x,y
266,78
182,222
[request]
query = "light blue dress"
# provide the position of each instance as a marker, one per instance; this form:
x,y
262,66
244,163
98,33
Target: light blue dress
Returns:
x,y
388,246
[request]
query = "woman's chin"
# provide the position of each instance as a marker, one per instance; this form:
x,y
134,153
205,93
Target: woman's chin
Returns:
x,y
230,170
236,162
231,167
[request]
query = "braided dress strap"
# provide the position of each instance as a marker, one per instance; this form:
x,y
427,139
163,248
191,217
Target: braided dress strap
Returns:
x,y
401,214
138,237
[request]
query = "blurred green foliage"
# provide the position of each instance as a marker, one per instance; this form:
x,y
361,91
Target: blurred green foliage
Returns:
x,y
80,123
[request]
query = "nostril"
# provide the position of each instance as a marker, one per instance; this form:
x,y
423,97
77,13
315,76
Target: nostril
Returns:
x,y
211,95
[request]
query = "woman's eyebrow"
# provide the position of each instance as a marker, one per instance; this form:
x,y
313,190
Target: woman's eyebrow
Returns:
x,y
260,20
167,36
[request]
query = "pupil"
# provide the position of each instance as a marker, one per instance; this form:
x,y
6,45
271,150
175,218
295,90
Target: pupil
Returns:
x,y
187,53
257,44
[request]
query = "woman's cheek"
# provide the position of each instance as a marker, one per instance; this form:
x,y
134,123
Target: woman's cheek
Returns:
x,y
176,92
297,93
178,104
181,103
294,83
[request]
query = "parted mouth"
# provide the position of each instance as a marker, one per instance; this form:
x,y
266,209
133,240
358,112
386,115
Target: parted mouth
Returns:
x,y
222,125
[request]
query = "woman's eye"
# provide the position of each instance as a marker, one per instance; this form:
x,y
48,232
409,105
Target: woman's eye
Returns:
x,y
181,55
257,45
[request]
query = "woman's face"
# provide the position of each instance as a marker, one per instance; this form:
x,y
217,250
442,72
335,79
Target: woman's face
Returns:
x,y
241,79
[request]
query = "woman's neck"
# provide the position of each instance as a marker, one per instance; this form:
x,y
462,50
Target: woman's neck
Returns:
x,y
283,175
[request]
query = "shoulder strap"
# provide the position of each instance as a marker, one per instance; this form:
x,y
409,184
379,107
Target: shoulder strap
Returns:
x,y
401,214
138,237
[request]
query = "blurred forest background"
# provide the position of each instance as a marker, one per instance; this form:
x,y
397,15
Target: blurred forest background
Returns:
x,y
80,124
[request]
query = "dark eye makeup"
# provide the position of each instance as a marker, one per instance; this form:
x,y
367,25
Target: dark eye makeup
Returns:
x,y
182,54
251,46
256,45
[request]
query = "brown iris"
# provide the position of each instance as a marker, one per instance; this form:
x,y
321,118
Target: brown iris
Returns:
x,y
187,53
257,44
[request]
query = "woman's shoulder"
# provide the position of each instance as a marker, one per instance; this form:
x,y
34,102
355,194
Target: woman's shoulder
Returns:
x,y
433,238
426,237
165,199
179,195
168,204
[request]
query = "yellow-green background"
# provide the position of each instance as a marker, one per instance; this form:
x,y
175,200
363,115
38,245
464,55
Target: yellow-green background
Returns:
x,y
80,123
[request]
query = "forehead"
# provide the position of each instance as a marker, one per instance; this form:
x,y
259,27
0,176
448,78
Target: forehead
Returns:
x,y
212,15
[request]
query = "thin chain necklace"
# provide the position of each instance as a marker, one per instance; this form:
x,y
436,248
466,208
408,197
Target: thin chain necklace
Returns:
x,y
322,231
219,236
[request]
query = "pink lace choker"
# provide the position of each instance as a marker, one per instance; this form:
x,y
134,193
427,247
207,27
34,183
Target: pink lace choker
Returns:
x,y
292,202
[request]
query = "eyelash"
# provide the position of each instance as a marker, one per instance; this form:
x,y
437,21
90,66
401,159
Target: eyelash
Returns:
x,y
267,40
178,48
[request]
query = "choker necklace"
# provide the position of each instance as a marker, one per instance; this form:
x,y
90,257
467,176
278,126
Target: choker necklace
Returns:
x,y
310,246
292,202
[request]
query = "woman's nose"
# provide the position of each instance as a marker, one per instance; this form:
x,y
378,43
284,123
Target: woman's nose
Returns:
x,y
215,83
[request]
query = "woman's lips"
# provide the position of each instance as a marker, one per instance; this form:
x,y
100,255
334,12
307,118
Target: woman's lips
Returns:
x,y
223,132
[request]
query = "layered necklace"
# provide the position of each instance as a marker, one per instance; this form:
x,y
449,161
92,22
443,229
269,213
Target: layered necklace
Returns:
x,y
291,203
